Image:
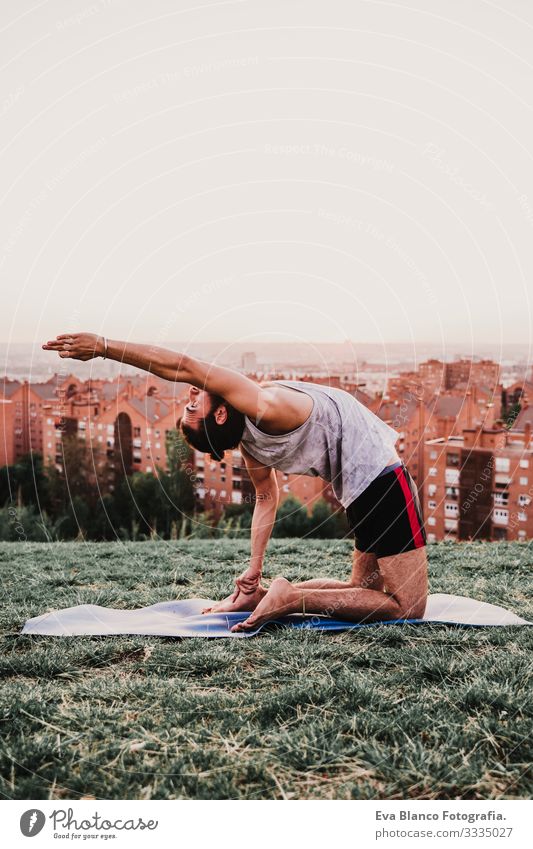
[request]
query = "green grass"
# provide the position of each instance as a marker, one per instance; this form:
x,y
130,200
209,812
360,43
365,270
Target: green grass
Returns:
x,y
428,712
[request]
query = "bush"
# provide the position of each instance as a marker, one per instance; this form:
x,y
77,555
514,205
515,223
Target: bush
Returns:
x,y
322,521
291,519
24,524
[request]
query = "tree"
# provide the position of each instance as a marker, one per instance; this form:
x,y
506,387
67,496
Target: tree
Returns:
x,y
144,490
321,523
291,519
25,483
176,492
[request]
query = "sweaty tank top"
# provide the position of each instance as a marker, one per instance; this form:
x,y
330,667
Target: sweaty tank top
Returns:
x,y
342,442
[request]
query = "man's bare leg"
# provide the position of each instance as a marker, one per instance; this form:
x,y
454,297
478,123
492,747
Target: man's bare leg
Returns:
x,y
365,573
404,575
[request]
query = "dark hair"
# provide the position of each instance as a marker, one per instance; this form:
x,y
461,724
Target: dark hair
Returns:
x,y
212,438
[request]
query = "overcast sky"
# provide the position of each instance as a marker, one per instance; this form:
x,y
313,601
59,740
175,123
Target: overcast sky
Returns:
x,y
281,170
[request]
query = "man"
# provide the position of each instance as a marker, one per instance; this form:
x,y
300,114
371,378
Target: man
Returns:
x,y
300,428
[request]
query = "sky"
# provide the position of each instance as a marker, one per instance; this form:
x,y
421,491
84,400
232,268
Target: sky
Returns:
x,y
291,171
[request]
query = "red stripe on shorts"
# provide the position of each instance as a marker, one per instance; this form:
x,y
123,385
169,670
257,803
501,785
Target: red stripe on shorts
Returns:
x,y
411,511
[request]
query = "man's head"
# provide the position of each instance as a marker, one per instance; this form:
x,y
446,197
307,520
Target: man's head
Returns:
x,y
210,424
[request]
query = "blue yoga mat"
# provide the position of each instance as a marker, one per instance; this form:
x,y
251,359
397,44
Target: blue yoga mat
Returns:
x,y
185,619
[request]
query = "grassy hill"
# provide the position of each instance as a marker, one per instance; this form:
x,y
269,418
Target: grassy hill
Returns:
x,y
387,712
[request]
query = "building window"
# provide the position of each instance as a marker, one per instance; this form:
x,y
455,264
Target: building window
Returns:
x,y
452,460
501,499
522,517
452,477
432,521
451,509
432,538
433,455
432,489
521,534
432,471
503,464
500,533
148,469
136,431
524,464
501,517
452,492
523,481
432,505
523,500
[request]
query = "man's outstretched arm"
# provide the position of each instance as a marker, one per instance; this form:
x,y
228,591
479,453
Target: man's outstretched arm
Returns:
x,y
237,389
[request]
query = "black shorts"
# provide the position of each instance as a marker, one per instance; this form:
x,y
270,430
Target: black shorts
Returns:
x,y
386,518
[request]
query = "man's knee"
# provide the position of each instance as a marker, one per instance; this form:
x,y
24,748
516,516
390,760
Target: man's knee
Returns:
x,y
406,581
413,607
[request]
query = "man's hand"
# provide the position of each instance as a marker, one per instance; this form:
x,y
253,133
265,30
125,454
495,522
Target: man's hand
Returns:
x,y
77,346
247,583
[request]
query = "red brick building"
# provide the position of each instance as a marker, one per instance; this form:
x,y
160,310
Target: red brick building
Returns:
x,y
479,485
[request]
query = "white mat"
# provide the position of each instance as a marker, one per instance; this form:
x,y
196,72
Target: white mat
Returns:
x,y
184,619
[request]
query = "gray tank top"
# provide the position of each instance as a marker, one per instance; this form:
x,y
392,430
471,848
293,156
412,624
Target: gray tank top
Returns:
x,y
342,442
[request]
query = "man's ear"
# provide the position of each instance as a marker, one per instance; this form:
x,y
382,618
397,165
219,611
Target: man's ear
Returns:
x,y
221,414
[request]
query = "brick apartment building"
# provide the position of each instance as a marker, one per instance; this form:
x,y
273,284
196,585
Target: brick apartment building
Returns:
x,y
479,485
126,423
418,419
127,420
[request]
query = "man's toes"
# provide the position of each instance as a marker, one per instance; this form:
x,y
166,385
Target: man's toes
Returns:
x,y
243,626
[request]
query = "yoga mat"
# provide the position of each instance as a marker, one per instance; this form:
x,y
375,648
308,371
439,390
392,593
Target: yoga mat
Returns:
x,y
185,619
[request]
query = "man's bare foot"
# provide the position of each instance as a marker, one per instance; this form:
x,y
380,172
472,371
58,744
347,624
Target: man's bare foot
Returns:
x,y
282,598
242,602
